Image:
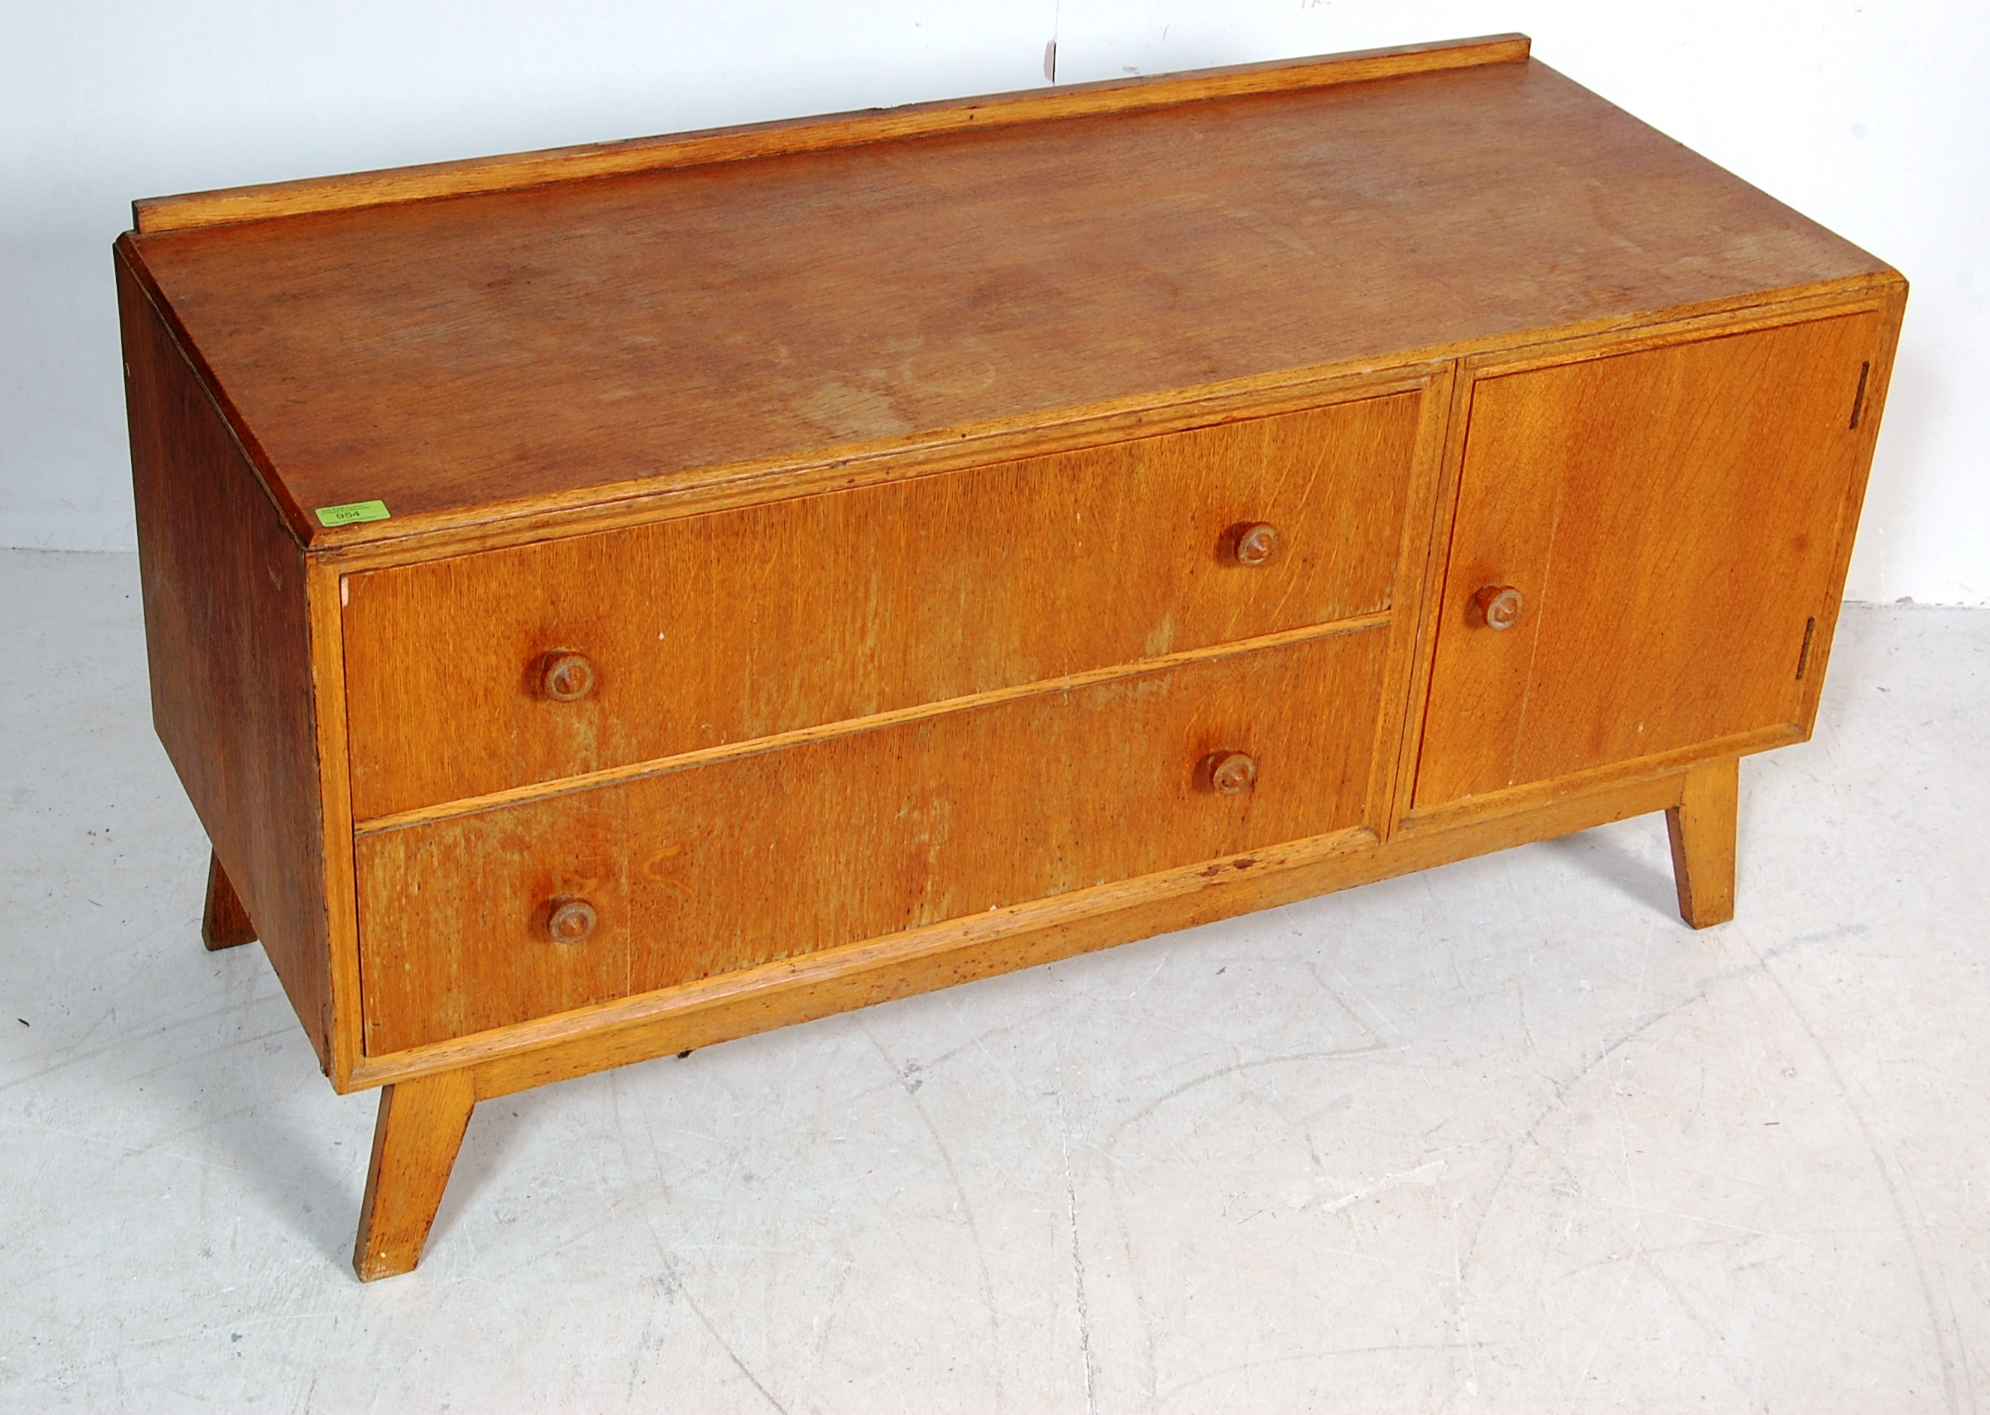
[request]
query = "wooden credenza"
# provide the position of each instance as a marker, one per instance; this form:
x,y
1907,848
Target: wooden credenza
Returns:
x,y
606,602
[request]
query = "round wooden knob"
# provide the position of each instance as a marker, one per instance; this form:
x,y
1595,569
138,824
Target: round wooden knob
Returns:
x,y
1257,542
1500,604
1231,773
569,677
571,921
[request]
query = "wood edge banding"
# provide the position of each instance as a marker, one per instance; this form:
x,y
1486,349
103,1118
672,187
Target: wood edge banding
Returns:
x,y
549,167
341,889
1414,555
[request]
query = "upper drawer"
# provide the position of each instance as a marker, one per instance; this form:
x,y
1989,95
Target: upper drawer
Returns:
x,y
740,624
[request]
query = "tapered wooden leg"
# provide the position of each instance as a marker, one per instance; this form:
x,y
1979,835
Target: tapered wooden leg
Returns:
x,y
1702,830
415,1141
224,923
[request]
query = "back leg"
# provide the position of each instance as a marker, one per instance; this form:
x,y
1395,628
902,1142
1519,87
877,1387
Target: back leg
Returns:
x,y
225,923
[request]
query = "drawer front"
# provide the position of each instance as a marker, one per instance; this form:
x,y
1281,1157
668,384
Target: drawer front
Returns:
x,y
740,624
704,870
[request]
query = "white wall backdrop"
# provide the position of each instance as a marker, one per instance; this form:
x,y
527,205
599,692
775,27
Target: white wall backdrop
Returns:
x,y
1873,116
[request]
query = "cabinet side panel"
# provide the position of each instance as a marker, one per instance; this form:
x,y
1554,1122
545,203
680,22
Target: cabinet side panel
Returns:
x,y
228,639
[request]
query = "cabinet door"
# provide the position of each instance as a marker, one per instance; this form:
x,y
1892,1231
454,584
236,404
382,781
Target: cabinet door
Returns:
x,y
1672,519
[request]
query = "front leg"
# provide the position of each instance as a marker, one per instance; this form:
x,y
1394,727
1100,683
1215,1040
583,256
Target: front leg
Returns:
x,y
1702,827
415,1141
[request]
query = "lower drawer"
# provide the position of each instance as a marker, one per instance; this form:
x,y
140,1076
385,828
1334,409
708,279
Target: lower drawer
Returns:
x,y
707,869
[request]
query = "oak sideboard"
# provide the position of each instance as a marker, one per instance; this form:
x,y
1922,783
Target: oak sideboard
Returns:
x,y
607,601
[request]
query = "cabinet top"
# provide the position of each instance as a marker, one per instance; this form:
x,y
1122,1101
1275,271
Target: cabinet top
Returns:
x,y
474,341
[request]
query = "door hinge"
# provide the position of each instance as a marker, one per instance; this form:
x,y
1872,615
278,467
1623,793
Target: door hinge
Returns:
x,y
1859,398
1803,654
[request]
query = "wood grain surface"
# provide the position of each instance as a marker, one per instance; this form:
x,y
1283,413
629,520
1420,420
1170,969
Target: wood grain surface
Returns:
x,y
782,853
745,624
484,356
531,169
1672,518
229,646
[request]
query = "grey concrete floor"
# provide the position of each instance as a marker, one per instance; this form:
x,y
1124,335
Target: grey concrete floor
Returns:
x,y
1505,1136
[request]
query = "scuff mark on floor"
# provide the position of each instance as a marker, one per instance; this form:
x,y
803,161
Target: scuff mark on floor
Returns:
x,y
1077,1256
1424,1176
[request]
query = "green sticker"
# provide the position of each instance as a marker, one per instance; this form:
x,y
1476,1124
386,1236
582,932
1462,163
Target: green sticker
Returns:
x,y
352,513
